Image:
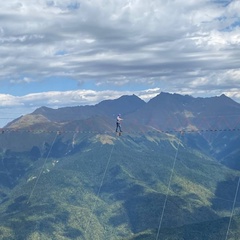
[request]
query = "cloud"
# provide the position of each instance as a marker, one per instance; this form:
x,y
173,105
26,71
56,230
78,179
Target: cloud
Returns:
x,y
173,45
7,100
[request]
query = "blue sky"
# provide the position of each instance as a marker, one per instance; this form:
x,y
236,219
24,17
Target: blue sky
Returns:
x,y
59,53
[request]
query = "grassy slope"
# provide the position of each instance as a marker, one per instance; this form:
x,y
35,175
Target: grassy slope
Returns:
x,y
115,188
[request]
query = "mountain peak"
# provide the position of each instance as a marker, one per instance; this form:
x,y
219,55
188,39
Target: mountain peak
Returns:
x,y
172,96
170,101
42,110
131,98
124,105
226,98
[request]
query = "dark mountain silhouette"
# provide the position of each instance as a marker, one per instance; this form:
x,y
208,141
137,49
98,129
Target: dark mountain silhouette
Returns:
x,y
164,112
174,111
64,174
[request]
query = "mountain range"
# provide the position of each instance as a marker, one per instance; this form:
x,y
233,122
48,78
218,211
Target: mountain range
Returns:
x,y
173,174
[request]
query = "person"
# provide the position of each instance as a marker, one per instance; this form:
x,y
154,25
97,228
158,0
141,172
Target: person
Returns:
x,y
118,123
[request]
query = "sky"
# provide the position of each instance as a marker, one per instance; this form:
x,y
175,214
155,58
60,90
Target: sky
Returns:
x,y
58,53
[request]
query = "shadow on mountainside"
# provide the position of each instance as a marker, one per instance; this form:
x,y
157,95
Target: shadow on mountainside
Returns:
x,y
225,194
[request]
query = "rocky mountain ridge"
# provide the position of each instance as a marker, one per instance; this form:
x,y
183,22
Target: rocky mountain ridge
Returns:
x,y
164,112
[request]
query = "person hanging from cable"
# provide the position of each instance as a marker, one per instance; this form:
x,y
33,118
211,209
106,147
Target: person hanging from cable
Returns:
x,y
118,123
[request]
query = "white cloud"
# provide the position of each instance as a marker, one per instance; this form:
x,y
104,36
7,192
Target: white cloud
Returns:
x,y
7,100
172,45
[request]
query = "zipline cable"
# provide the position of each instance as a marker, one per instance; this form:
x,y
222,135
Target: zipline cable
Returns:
x,y
168,188
42,168
100,187
233,208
